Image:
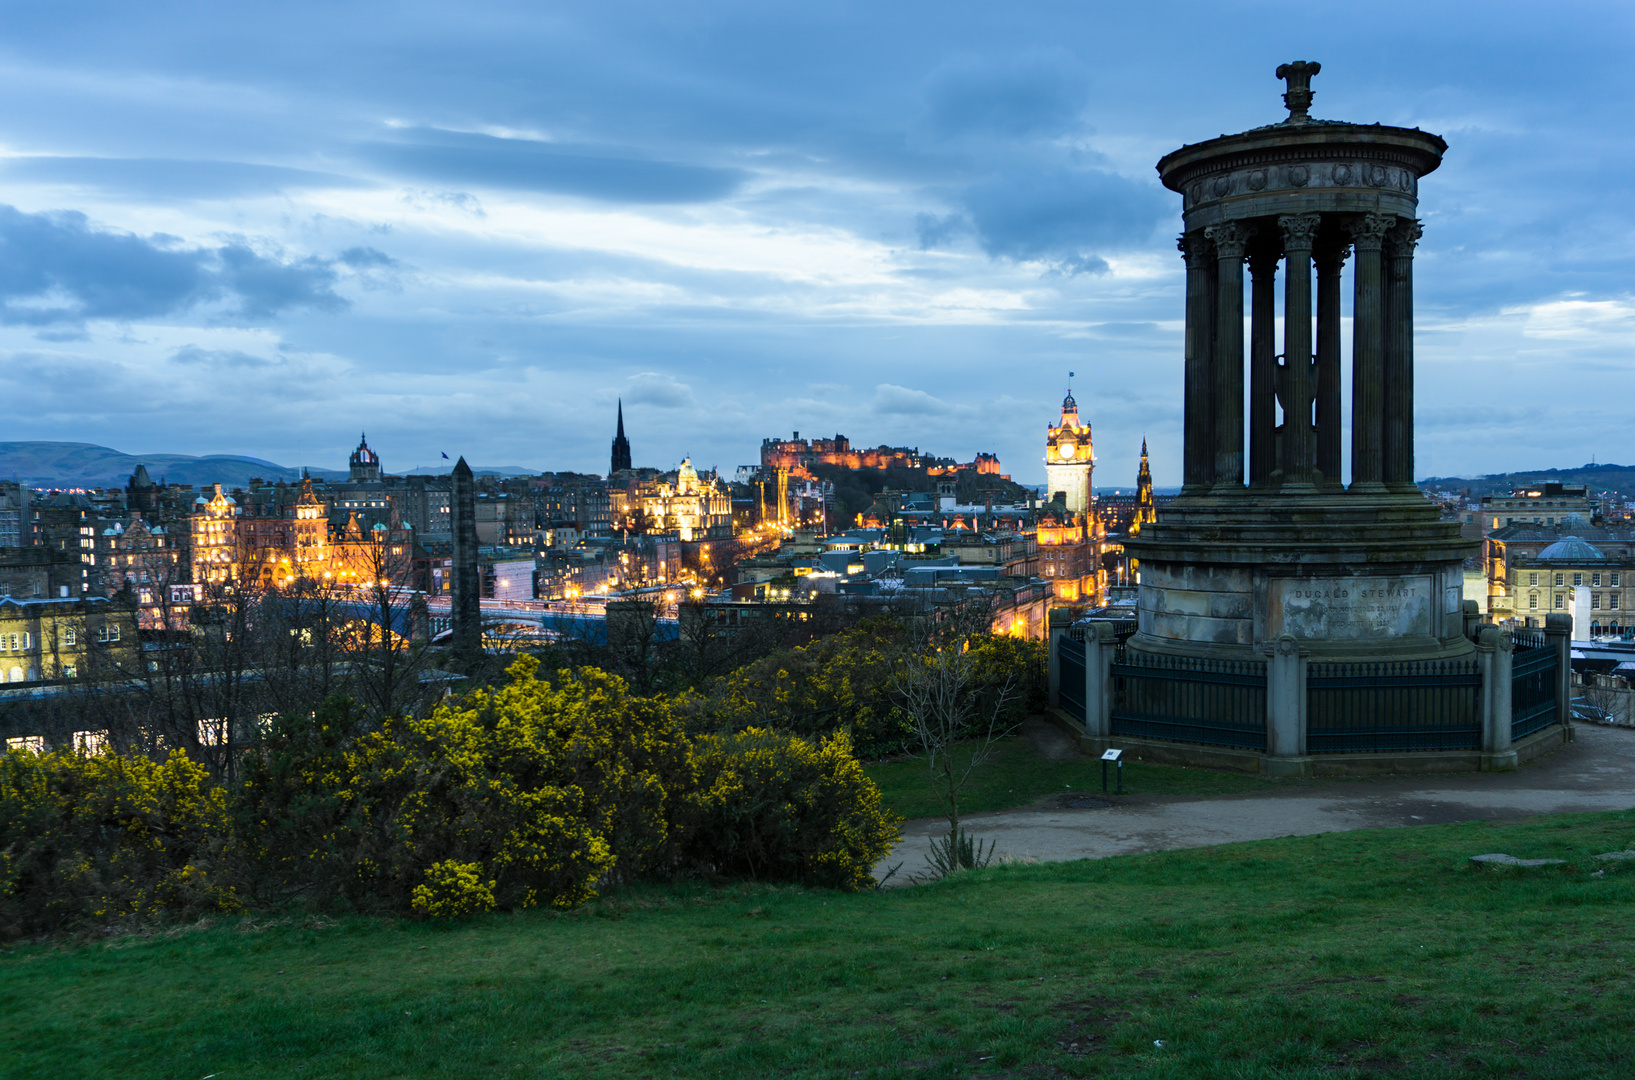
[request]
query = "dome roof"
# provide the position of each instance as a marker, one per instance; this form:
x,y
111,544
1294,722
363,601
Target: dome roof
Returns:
x,y
1571,549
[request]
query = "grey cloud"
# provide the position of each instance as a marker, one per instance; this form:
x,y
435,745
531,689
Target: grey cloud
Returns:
x,y
218,358
1030,94
1064,216
655,388
935,231
56,269
900,400
170,178
531,165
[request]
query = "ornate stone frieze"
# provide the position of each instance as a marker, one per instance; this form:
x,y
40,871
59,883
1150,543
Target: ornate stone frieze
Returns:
x,y
1270,178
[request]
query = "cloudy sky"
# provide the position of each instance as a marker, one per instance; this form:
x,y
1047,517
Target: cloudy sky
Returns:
x,y
259,228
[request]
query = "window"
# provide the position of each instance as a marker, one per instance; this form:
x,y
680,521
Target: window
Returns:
x,y
1615,579
1532,600
1595,601
1612,601
70,671
1578,579
108,632
70,637
1560,601
1532,579
1595,579
1558,579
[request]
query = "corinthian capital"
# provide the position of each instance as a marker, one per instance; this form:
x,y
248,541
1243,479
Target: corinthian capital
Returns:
x,y
1368,232
1194,248
1231,239
1399,243
1299,230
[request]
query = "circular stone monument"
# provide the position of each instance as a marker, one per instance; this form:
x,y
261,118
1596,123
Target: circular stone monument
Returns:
x,y
1267,537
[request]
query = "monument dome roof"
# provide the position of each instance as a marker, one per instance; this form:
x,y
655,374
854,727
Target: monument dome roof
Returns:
x,y
1571,549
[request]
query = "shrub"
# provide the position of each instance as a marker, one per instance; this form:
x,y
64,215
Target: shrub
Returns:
x,y
90,839
777,807
547,789
453,889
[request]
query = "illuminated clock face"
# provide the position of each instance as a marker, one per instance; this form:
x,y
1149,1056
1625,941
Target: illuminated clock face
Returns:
x,y
1064,450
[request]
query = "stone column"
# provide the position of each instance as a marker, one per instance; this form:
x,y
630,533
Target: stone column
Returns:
x,y
1330,260
1099,643
1231,242
1399,355
1495,649
1263,373
1198,451
1558,635
1286,709
1299,453
1368,355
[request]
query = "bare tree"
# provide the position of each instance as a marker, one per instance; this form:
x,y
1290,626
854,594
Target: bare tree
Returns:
x,y
958,716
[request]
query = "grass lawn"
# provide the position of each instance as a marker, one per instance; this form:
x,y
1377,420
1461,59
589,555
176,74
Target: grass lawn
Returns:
x,y
1018,774
1350,955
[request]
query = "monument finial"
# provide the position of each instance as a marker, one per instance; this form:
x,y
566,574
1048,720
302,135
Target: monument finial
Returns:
x,y
1298,97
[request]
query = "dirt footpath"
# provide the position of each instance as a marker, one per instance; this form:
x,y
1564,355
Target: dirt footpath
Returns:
x,y
1596,772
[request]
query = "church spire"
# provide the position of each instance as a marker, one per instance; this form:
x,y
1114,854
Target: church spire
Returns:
x,y
621,446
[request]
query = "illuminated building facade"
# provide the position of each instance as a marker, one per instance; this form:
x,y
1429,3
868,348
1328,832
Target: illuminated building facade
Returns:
x,y
691,506
797,455
276,545
1069,458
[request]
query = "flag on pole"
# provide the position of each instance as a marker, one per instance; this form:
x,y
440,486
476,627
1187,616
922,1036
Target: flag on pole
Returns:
x,y
445,457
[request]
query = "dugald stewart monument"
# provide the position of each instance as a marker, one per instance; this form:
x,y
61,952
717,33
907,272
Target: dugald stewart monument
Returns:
x,y
1279,540
1295,616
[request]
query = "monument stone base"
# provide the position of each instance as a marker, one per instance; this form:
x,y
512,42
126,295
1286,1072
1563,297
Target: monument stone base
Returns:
x,y
1350,576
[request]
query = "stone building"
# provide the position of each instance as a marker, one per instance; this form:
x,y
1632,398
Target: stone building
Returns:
x,y
1534,570
65,638
1549,503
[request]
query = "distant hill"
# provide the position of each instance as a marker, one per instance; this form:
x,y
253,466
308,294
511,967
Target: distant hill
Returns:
x,y
86,465
1597,477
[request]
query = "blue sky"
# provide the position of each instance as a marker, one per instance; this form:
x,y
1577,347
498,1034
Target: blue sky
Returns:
x,y
260,228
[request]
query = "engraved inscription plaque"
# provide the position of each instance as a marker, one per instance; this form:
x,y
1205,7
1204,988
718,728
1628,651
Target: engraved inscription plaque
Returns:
x,y
1358,607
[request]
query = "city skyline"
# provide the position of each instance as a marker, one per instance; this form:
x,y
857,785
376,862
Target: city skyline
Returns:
x,y
254,232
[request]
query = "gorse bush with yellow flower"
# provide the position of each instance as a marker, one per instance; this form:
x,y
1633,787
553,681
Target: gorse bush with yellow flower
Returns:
x,y
539,792
88,840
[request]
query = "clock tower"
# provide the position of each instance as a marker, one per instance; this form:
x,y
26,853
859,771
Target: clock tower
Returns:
x,y
1069,459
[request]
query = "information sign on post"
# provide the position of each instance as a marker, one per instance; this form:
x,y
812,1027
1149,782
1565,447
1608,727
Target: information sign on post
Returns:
x,y
1114,756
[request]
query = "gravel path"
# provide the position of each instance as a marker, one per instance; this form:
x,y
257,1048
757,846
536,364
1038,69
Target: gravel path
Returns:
x,y
1595,772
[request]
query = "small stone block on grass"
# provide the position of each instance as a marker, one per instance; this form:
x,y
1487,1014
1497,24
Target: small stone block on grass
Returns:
x,y
1511,860
1617,856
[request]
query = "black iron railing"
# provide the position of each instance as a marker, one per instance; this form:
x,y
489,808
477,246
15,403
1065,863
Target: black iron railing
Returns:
x,y
1393,706
1070,675
1534,683
1189,699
